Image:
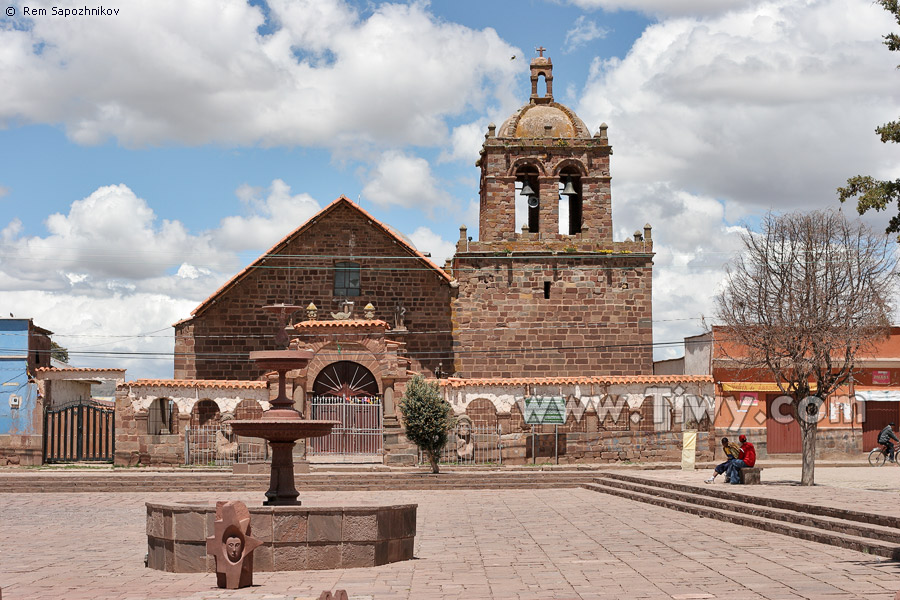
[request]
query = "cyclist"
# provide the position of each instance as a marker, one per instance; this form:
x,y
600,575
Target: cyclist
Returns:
x,y
885,437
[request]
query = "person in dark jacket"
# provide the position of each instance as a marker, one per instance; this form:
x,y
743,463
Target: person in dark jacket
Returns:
x,y
885,437
746,459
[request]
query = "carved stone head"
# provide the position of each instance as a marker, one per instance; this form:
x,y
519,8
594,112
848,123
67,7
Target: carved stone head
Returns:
x,y
234,548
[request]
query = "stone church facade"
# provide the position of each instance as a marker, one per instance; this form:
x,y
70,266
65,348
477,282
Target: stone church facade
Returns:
x,y
544,304
542,299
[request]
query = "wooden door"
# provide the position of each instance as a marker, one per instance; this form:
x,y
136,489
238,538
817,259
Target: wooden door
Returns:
x,y
781,437
878,414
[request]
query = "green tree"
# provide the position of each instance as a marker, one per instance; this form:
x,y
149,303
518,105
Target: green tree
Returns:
x,y
428,418
871,193
58,352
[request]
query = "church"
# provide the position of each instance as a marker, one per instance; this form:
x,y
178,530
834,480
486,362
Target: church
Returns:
x,y
553,296
544,304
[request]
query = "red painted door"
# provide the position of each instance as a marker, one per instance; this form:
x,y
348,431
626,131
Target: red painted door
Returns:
x,y
782,429
878,414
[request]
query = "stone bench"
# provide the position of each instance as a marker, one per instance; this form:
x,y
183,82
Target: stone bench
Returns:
x,y
750,475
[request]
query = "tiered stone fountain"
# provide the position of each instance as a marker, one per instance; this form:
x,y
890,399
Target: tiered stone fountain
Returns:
x,y
282,425
294,538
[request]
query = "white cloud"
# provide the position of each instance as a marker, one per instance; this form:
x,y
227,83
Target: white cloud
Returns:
x,y
4,191
83,324
666,7
465,142
583,31
769,107
407,181
271,218
110,265
111,234
722,117
428,241
326,76
692,242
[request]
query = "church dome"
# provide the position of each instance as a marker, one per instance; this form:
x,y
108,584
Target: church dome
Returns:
x,y
542,117
544,120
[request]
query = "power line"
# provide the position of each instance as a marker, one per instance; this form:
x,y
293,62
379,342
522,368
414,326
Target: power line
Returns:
x,y
242,356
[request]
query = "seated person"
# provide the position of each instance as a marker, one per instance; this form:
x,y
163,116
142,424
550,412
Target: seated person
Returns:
x,y
731,452
885,437
747,458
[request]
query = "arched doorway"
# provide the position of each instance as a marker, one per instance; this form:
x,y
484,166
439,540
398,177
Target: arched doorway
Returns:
x,y
346,379
346,391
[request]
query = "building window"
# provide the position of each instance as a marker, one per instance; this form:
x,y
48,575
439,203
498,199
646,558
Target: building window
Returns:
x,y
346,279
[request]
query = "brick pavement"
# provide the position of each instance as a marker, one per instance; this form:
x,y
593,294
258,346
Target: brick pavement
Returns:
x,y
542,544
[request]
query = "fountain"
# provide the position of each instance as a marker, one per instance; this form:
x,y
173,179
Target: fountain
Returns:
x,y
294,538
282,425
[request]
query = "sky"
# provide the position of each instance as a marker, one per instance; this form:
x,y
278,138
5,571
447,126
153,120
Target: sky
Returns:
x,y
147,156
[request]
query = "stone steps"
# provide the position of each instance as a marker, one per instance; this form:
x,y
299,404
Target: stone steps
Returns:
x,y
870,534
194,482
718,492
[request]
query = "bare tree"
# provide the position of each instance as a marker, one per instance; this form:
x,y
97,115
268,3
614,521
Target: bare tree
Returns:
x,y
808,294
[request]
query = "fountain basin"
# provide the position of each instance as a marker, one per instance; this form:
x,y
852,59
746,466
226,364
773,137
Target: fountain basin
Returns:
x,y
294,538
281,429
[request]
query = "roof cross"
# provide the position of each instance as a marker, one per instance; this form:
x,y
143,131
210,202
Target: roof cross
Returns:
x,y
540,50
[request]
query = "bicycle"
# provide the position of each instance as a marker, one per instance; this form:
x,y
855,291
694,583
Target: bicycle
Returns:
x,y
878,456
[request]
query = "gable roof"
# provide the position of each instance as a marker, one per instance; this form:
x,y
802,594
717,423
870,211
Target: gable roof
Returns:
x,y
341,201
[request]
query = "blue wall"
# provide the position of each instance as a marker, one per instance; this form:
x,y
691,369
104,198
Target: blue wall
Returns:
x,y
14,380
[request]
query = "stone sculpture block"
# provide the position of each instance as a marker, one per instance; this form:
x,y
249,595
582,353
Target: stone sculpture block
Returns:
x,y
232,546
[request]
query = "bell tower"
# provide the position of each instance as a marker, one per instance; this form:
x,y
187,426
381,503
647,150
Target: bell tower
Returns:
x,y
543,175
545,283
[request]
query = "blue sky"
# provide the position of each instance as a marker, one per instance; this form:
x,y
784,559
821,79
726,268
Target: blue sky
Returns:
x,y
146,157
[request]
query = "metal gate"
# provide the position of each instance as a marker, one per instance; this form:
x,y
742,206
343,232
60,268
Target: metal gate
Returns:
x,y
878,415
361,430
782,438
83,432
215,445
471,445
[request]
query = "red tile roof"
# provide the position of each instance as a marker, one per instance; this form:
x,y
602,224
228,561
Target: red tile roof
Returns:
x,y
583,380
197,383
342,200
74,370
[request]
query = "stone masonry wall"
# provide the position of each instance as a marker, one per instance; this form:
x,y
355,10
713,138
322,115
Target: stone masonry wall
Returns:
x,y
215,343
596,320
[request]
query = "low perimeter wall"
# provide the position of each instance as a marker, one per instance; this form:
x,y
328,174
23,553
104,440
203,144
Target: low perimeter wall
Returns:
x,y
295,538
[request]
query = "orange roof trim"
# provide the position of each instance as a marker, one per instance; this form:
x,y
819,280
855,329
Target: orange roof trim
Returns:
x,y
197,383
342,200
598,380
75,370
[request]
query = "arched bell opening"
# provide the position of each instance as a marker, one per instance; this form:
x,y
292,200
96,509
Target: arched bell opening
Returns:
x,y
571,214
528,201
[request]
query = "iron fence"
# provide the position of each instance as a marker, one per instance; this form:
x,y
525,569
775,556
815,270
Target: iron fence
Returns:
x,y
471,445
215,445
361,430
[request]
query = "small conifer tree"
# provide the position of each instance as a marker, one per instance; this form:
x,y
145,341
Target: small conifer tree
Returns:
x,y
428,418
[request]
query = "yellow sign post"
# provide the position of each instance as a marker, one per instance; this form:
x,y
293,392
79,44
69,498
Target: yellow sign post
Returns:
x,y
688,450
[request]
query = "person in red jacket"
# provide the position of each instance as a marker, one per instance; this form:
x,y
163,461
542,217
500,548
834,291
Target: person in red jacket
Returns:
x,y
746,458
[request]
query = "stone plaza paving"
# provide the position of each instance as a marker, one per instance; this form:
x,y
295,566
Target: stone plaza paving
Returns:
x,y
535,544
